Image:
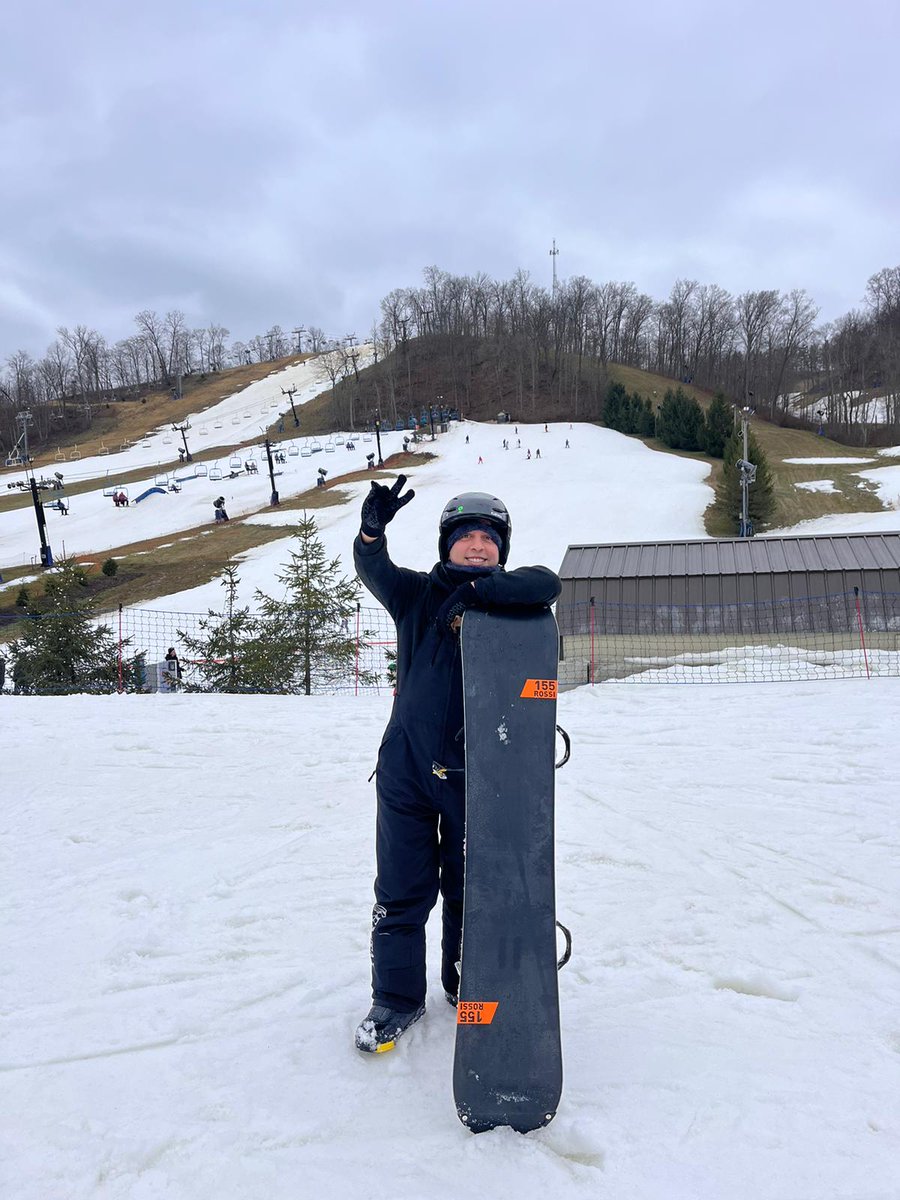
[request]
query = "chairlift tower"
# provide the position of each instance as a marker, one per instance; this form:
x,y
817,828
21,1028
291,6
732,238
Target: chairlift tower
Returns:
x,y
182,429
298,334
290,392
554,254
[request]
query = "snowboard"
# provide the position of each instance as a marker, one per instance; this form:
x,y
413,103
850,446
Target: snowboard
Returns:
x,y
507,1067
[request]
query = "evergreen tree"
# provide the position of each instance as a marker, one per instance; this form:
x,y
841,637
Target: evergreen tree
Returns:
x,y
228,646
719,425
613,407
63,649
681,422
310,631
761,497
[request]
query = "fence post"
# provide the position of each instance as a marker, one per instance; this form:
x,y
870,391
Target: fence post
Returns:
x,y
862,636
121,688
356,687
593,665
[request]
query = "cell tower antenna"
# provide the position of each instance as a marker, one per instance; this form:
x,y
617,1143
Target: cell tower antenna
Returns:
x,y
554,254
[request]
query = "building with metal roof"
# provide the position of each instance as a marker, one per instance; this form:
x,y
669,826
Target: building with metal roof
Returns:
x,y
757,589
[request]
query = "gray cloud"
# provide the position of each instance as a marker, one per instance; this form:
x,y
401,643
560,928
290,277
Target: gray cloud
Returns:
x,y
293,164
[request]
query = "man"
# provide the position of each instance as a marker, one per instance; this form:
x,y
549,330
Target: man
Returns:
x,y
421,762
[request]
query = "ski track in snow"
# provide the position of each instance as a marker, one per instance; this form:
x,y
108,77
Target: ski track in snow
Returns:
x,y
186,931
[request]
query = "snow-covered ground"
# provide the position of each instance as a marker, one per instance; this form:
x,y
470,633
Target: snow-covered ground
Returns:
x,y
187,888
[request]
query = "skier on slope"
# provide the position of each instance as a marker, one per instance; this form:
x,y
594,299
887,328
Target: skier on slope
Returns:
x,y
421,760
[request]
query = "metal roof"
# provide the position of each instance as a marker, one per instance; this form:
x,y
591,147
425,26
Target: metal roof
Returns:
x,y
733,556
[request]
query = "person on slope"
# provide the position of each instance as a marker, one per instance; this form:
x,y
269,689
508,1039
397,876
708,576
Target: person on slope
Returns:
x,y
421,761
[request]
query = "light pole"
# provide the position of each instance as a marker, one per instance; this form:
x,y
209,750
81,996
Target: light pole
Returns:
x,y
378,436
748,476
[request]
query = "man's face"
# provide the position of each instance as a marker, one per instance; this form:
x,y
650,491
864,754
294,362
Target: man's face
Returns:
x,y
475,549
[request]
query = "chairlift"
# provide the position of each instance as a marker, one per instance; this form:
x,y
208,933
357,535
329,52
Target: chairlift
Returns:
x,y
247,416
201,470
161,479
126,445
145,444
235,420
235,462
329,447
367,437
215,473
75,454
60,457
293,450
203,431
217,425
315,446
167,439
101,449
306,452
339,439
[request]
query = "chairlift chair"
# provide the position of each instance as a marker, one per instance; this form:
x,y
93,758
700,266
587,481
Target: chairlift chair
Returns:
x,y
329,447
247,416
306,452
145,444
167,440
101,449
215,473
75,454
201,470
235,420
339,439
161,479
235,462
203,431
60,457
315,446
367,437
293,450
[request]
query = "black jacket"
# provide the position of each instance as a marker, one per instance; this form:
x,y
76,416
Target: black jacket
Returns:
x,y
428,704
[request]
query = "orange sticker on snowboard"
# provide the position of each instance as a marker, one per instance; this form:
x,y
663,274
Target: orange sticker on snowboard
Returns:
x,y
475,1012
539,689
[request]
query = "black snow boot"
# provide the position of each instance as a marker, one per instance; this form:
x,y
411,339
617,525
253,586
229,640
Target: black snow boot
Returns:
x,y
383,1026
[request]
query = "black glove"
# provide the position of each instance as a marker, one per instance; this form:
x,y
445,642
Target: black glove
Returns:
x,y
381,506
465,596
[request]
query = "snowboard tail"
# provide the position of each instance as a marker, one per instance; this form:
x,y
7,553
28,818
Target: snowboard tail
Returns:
x,y
508,1061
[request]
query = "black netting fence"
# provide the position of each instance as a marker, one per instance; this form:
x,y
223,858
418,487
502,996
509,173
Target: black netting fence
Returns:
x,y
854,634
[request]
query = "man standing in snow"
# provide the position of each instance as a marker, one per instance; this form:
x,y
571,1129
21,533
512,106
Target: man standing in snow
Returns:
x,y
421,761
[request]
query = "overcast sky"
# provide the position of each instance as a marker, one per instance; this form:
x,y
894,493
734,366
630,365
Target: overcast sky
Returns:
x,y
255,162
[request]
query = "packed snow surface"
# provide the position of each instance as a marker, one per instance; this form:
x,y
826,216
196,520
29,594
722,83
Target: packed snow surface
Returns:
x,y
187,887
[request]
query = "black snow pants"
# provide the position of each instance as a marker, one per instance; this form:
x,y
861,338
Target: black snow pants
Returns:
x,y
419,853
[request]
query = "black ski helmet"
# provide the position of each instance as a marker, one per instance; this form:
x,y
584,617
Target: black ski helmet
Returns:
x,y
475,506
